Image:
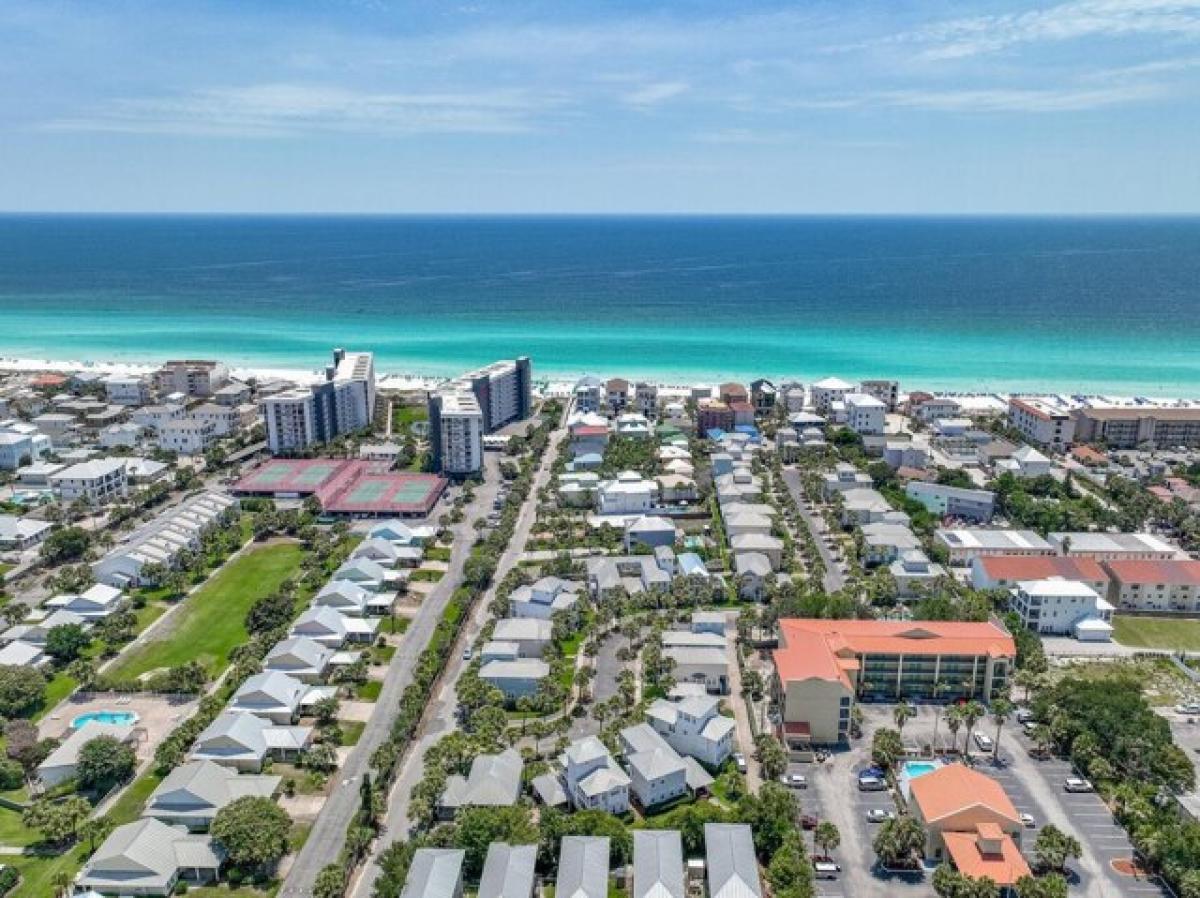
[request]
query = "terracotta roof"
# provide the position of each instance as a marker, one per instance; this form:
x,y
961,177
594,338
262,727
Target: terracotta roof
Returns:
x,y
828,649
953,789
1013,568
590,430
1003,868
1174,572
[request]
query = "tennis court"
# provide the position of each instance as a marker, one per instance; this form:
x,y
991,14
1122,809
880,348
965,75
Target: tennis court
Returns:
x,y
289,476
352,487
390,493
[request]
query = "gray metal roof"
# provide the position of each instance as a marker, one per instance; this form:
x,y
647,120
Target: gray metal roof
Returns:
x,y
434,873
732,866
508,871
582,867
494,780
658,864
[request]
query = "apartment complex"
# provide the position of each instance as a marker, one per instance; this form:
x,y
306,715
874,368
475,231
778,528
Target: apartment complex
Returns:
x,y
504,391
953,501
1041,423
1172,585
1127,428
341,403
823,666
865,414
456,432
886,391
192,377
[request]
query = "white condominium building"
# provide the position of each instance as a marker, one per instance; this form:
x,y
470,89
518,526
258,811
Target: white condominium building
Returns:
x,y
865,414
458,442
192,377
1041,423
342,403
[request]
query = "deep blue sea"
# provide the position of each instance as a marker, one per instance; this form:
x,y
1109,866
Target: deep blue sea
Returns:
x,y
1070,304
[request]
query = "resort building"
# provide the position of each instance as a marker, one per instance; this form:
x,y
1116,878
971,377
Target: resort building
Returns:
x,y
1041,422
341,403
964,544
953,501
456,432
93,482
865,414
1006,571
1131,427
121,389
1055,607
970,823
1114,546
191,377
1172,585
823,666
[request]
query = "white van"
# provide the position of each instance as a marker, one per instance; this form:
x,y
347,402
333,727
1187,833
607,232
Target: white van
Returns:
x,y
826,869
984,741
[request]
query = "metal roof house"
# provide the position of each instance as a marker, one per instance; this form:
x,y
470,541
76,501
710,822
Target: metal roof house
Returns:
x,y
508,871
192,793
435,873
732,865
149,858
582,867
658,864
494,780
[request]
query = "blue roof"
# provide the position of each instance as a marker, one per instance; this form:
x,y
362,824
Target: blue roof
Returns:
x,y
747,429
715,433
691,563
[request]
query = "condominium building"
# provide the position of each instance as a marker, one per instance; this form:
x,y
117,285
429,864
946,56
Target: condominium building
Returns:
x,y
504,391
341,403
1055,606
823,666
456,432
187,436
645,399
953,501
713,414
1172,585
1126,428
865,414
886,391
1041,423
1114,546
828,391
192,377
94,482
964,544
127,389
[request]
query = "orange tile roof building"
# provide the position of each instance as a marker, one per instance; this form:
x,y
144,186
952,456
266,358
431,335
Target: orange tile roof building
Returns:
x,y
1006,571
1172,585
969,821
823,666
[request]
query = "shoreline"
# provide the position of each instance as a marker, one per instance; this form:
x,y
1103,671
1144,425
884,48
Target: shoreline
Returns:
x,y
556,381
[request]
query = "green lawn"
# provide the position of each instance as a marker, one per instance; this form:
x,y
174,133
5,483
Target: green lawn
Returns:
x,y
438,553
393,625
426,576
223,891
352,731
368,691
13,831
1157,632
37,873
129,806
211,622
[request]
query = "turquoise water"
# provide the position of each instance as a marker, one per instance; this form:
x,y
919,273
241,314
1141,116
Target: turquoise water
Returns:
x,y
1070,304
914,769
116,718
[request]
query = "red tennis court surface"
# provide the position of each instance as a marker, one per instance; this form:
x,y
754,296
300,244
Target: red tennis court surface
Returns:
x,y
358,488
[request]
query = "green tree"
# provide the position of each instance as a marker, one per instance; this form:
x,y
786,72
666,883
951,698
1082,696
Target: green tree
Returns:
x,y
104,762
1053,885
1001,710
21,689
253,831
66,642
826,837
476,828
899,841
789,873
330,882
886,748
902,714
95,830
1053,848
771,756
57,821
65,544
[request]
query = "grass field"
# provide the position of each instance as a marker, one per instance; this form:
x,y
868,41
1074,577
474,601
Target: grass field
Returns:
x,y
1157,632
368,691
211,622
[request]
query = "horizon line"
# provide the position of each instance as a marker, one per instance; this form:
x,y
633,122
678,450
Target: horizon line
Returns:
x,y
7,213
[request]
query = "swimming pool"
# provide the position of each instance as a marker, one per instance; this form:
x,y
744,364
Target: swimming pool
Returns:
x,y
914,769
117,718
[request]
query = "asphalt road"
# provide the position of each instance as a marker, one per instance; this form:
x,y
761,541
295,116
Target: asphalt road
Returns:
x,y
440,715
833,579
329,832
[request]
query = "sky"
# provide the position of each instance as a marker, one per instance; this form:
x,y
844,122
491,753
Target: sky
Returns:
x,y
621,106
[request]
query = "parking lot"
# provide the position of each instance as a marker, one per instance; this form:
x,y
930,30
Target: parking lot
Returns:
x,y
1035,787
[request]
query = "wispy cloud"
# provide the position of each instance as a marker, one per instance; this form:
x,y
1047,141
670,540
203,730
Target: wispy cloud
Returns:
x,y
285,110
989,100
976,35
654,94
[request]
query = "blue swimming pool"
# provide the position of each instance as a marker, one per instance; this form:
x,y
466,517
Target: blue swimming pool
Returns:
x,y
914,769
117,718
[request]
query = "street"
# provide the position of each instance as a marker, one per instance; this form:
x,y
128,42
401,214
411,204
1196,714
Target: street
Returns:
x,y
833,579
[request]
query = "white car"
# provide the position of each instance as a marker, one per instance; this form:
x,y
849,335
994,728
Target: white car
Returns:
x,y
795,780
983,741
739,761
1027,821
1188,708
1077,784
878,815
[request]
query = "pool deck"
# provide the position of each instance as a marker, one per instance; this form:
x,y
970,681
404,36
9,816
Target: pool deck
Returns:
x,y
903,780
157,714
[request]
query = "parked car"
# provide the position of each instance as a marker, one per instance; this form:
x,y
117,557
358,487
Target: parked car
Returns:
x,y
878,815
808,821
826,869
1188,708
1024,715
467,653
739,761
795,780
1029,727
1027,821
1077,784
984,741
871,784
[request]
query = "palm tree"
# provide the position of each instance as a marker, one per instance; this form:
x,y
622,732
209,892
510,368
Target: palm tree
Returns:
x,y
972,713
1001,710
936,692
954,722
902,714
826,837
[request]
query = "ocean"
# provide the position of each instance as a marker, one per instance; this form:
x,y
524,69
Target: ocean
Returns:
x,y
1065,304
